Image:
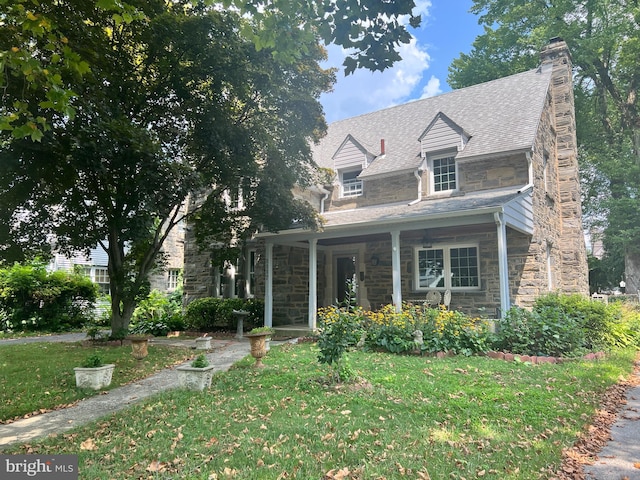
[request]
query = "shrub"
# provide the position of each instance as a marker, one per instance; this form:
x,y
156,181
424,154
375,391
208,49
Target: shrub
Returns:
x,y
547,330
33,299
340,328
157,315
603,326
391,330
442,330
217,313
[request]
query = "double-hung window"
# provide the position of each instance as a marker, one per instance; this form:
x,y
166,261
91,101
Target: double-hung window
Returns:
x,y
351,185
443,174
99,276
173,279
453,267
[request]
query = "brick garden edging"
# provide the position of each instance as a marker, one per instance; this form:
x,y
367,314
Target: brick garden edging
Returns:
x,y
535,359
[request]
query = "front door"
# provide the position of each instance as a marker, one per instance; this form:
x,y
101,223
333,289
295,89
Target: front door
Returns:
x,y
345,276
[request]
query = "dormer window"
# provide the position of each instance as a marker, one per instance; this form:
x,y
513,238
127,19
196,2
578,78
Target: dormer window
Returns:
x,y
349,183
443,174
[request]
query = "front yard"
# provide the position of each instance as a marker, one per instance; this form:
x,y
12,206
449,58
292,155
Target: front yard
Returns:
x,y
405,417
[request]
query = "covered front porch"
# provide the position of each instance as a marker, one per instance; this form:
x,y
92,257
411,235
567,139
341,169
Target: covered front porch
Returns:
x,y
401,253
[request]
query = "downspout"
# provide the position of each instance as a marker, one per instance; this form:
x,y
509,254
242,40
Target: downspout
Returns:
x,y
326,194
530,170
418,175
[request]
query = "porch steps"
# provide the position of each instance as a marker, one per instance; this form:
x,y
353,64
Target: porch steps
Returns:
x,y
293,331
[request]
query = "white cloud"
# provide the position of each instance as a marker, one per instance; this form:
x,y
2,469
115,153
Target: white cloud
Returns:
x,y
365,91
432,88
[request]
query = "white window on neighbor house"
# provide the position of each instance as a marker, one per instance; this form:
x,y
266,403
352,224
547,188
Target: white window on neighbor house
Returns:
x,y
100,276
173,278
453,267
350,185
443,174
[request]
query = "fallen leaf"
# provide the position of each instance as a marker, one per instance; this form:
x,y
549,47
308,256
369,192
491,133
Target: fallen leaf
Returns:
x,y
88,444
157,466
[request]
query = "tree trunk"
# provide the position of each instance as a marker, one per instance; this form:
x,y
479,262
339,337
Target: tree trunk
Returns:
x,y
121,312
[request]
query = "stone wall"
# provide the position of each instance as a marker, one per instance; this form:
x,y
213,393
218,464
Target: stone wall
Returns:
x,y
573,254
493,173
401,188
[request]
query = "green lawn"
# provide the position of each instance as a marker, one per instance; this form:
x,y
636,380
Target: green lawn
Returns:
x,y
38,376
410,417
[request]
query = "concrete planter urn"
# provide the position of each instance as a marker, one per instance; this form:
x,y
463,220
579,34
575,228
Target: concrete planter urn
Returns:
x,y
196,376
258,339
203,343
139,346
95,378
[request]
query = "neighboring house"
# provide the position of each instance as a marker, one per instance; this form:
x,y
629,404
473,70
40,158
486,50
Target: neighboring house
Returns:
x,y
474,194
95,266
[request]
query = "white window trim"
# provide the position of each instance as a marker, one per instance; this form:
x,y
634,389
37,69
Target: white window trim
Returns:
x,y
432,182
446,250
358,192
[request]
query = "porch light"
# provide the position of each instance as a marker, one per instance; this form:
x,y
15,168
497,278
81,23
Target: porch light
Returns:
x,y
374,260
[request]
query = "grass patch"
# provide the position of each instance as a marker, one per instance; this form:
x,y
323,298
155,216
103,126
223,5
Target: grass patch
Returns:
x,y
39,376
413,417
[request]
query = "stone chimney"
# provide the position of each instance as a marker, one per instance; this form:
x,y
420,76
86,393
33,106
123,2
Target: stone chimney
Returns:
x,y
575,276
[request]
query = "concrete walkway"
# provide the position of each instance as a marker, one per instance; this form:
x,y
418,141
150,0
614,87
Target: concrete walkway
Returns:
x,y
224,354
620,458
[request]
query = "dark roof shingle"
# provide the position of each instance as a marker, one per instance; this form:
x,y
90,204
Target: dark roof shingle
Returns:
x,y
501,116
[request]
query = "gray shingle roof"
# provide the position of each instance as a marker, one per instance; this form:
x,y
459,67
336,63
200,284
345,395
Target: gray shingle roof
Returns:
x,y
469,204
501,116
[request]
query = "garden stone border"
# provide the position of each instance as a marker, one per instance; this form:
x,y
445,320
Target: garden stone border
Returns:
x,y
540,359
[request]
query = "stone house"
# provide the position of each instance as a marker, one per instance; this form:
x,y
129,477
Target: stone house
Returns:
x,y
471,198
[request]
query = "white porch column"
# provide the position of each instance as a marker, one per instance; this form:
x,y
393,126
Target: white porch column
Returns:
x,y
503,267
395,269
268,285
313,282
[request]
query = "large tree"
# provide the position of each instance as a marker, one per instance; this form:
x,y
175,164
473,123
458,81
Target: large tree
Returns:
x,y
604,39
151,100
36,54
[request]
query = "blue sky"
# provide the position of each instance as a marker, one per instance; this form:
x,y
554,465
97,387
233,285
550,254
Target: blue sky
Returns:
x,y
447,30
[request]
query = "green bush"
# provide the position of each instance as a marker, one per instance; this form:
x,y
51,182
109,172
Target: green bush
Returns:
x,y
452,331
33,299
217,313
547,330
340,328
567,325
158,314
604,326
